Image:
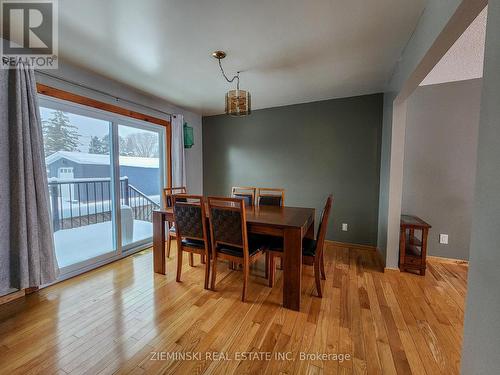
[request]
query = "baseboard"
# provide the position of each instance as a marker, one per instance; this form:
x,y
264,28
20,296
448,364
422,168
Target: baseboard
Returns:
x,y
391,270
447,260
352,245
12,296
17,294
31,290
434,259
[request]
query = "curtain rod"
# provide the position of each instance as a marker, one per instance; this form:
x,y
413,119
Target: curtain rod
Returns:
x,y
116,98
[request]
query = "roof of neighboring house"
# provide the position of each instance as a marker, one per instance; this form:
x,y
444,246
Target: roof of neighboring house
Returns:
x,y
100,159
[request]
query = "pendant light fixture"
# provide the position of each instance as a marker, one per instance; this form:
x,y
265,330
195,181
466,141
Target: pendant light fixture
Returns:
x,y
238,102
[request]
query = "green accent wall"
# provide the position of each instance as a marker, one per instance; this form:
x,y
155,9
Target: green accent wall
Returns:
x,y
311,150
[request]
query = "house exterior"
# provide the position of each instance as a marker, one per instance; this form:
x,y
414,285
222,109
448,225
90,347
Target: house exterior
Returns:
x,y
142,173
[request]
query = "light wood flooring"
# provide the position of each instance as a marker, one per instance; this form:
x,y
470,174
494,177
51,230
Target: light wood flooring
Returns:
x,y
112,319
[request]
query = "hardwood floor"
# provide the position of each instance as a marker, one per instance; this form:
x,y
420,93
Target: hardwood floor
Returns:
x,y
112,319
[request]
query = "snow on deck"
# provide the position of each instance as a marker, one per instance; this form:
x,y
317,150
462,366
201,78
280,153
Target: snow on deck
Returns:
x,y
80,244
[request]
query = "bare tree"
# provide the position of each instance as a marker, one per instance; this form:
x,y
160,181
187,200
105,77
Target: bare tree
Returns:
x,y
143,145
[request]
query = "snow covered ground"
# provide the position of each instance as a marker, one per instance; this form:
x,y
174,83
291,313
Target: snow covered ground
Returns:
x,y
83,243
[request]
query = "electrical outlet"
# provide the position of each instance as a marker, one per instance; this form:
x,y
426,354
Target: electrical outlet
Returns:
x,y
344,227
443,239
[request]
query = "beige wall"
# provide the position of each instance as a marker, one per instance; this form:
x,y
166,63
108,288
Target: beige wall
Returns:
x,y
480,353
439,27
440,162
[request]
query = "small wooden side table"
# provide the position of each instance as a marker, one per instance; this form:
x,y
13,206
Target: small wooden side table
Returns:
x,y
412,249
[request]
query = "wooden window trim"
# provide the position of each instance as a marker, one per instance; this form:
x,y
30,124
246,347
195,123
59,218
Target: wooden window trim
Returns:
x,y
78,99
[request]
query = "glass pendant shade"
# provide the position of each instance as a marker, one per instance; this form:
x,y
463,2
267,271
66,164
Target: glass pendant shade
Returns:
x,y
238,103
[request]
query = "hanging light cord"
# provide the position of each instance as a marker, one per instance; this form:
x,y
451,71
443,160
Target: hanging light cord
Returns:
x,y
237,76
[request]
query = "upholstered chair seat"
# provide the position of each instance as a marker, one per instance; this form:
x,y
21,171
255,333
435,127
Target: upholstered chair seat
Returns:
x,y
255,244
236,251
200,244
309,247
275,244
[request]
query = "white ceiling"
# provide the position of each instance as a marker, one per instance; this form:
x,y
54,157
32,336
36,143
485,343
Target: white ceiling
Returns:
x,y
290,51
465,59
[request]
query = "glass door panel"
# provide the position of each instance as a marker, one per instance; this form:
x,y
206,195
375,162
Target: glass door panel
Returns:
x,y
79,169
141,177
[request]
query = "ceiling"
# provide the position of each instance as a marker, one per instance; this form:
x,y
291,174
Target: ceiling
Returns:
x,y
289,51
465,59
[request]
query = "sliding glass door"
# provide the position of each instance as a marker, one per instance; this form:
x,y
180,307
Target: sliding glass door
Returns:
x,y
105,176
141,173
80,185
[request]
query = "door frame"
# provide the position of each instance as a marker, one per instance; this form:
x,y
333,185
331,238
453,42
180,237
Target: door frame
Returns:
x,y
67,96
464,15
116,116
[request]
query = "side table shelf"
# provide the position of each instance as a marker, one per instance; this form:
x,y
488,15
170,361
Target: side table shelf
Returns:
x,y
412,249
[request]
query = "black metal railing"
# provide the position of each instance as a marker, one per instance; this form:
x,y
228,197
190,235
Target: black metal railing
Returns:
x,y
80,202
142,206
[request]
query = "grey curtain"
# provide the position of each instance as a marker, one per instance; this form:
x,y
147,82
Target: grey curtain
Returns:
x,y
27,255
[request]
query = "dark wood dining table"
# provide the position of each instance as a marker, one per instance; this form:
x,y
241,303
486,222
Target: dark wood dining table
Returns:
x,y
293,224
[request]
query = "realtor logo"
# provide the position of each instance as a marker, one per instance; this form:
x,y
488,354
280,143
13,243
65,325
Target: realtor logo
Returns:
x,y
29,33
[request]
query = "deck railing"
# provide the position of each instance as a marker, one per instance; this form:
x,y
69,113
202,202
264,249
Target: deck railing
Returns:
x,y
80,202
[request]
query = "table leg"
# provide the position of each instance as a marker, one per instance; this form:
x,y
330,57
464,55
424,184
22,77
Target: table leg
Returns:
x,y
159,265
292,268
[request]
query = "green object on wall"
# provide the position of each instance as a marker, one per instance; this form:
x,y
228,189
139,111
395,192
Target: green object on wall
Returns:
x,y
188,136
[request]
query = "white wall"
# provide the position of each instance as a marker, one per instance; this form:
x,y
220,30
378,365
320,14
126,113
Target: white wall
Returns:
x,y
70,72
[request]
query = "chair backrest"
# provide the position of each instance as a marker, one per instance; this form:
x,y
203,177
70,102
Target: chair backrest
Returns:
x,y
228,222
171,191
270,197
323,225
245,192
190,217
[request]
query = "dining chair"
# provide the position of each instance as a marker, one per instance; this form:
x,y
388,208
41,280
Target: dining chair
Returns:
x,y
245,192
192,234
168,193
312,250
228,232
270,197
171,191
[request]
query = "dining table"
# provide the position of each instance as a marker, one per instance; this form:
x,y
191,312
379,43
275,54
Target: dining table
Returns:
x,y
293,224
